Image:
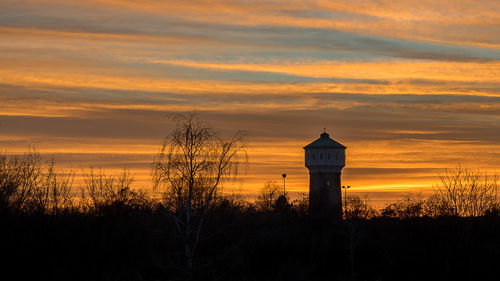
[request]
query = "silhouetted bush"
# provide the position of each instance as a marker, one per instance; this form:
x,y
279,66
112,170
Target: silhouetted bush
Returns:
x,y
410,206
108,193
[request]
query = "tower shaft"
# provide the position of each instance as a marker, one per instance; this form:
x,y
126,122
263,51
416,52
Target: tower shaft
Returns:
x,y
325,197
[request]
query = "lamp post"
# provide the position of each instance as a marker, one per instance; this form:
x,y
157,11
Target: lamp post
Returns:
x,y
284,190
345,198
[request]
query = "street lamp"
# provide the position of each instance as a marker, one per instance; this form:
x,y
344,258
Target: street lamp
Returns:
x,y
345,198
284,177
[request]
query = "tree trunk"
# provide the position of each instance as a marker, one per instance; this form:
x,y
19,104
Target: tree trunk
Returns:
x,y
189,261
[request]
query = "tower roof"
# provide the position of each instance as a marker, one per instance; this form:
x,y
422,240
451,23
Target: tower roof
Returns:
x,y
324,141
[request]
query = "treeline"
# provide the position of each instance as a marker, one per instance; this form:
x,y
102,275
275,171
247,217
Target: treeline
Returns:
x,y
103,229
30,184
34,185
461,192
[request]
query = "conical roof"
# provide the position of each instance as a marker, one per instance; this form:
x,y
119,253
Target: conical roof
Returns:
x,y
324,141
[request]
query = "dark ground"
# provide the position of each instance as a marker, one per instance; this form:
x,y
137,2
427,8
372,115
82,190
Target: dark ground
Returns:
x,y
247,245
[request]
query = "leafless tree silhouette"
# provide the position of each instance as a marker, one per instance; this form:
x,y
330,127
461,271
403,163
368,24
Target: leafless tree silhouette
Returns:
x,y
301,204
28,183
359,208
268,195
53,194
437,206
102,191
19,177
467,192
193,163
409,206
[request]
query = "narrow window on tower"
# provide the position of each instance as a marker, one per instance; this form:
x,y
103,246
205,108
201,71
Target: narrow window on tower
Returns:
x,y
328,156
321,156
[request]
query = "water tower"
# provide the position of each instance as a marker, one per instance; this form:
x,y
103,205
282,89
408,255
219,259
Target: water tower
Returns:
x,y
325,159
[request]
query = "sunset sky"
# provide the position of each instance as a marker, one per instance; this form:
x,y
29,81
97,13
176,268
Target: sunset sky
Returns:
x,y
410,87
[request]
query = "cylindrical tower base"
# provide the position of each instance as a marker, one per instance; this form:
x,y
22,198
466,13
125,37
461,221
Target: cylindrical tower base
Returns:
x,y
325,197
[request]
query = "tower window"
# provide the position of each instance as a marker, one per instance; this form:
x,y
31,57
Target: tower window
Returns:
x,y
328,156
321,156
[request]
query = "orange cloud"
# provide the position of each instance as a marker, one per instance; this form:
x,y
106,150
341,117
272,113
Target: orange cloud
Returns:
x,y
385,70
410,19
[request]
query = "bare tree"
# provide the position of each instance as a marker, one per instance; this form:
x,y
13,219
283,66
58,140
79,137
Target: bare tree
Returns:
x,y
19,177
268,195
193,163
411,205
467,192
437,206
102,191
359,208
461,192
29,183
59,185
301,204
53,193
8,185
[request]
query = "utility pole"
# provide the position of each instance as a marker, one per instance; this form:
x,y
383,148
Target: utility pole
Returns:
x,y
284,190
345,199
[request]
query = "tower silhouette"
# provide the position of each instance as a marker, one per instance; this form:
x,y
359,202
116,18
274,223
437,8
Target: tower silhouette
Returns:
x,y
325,159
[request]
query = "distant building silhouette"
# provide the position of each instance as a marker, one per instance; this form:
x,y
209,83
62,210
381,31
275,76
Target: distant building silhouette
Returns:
x,y
325,159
